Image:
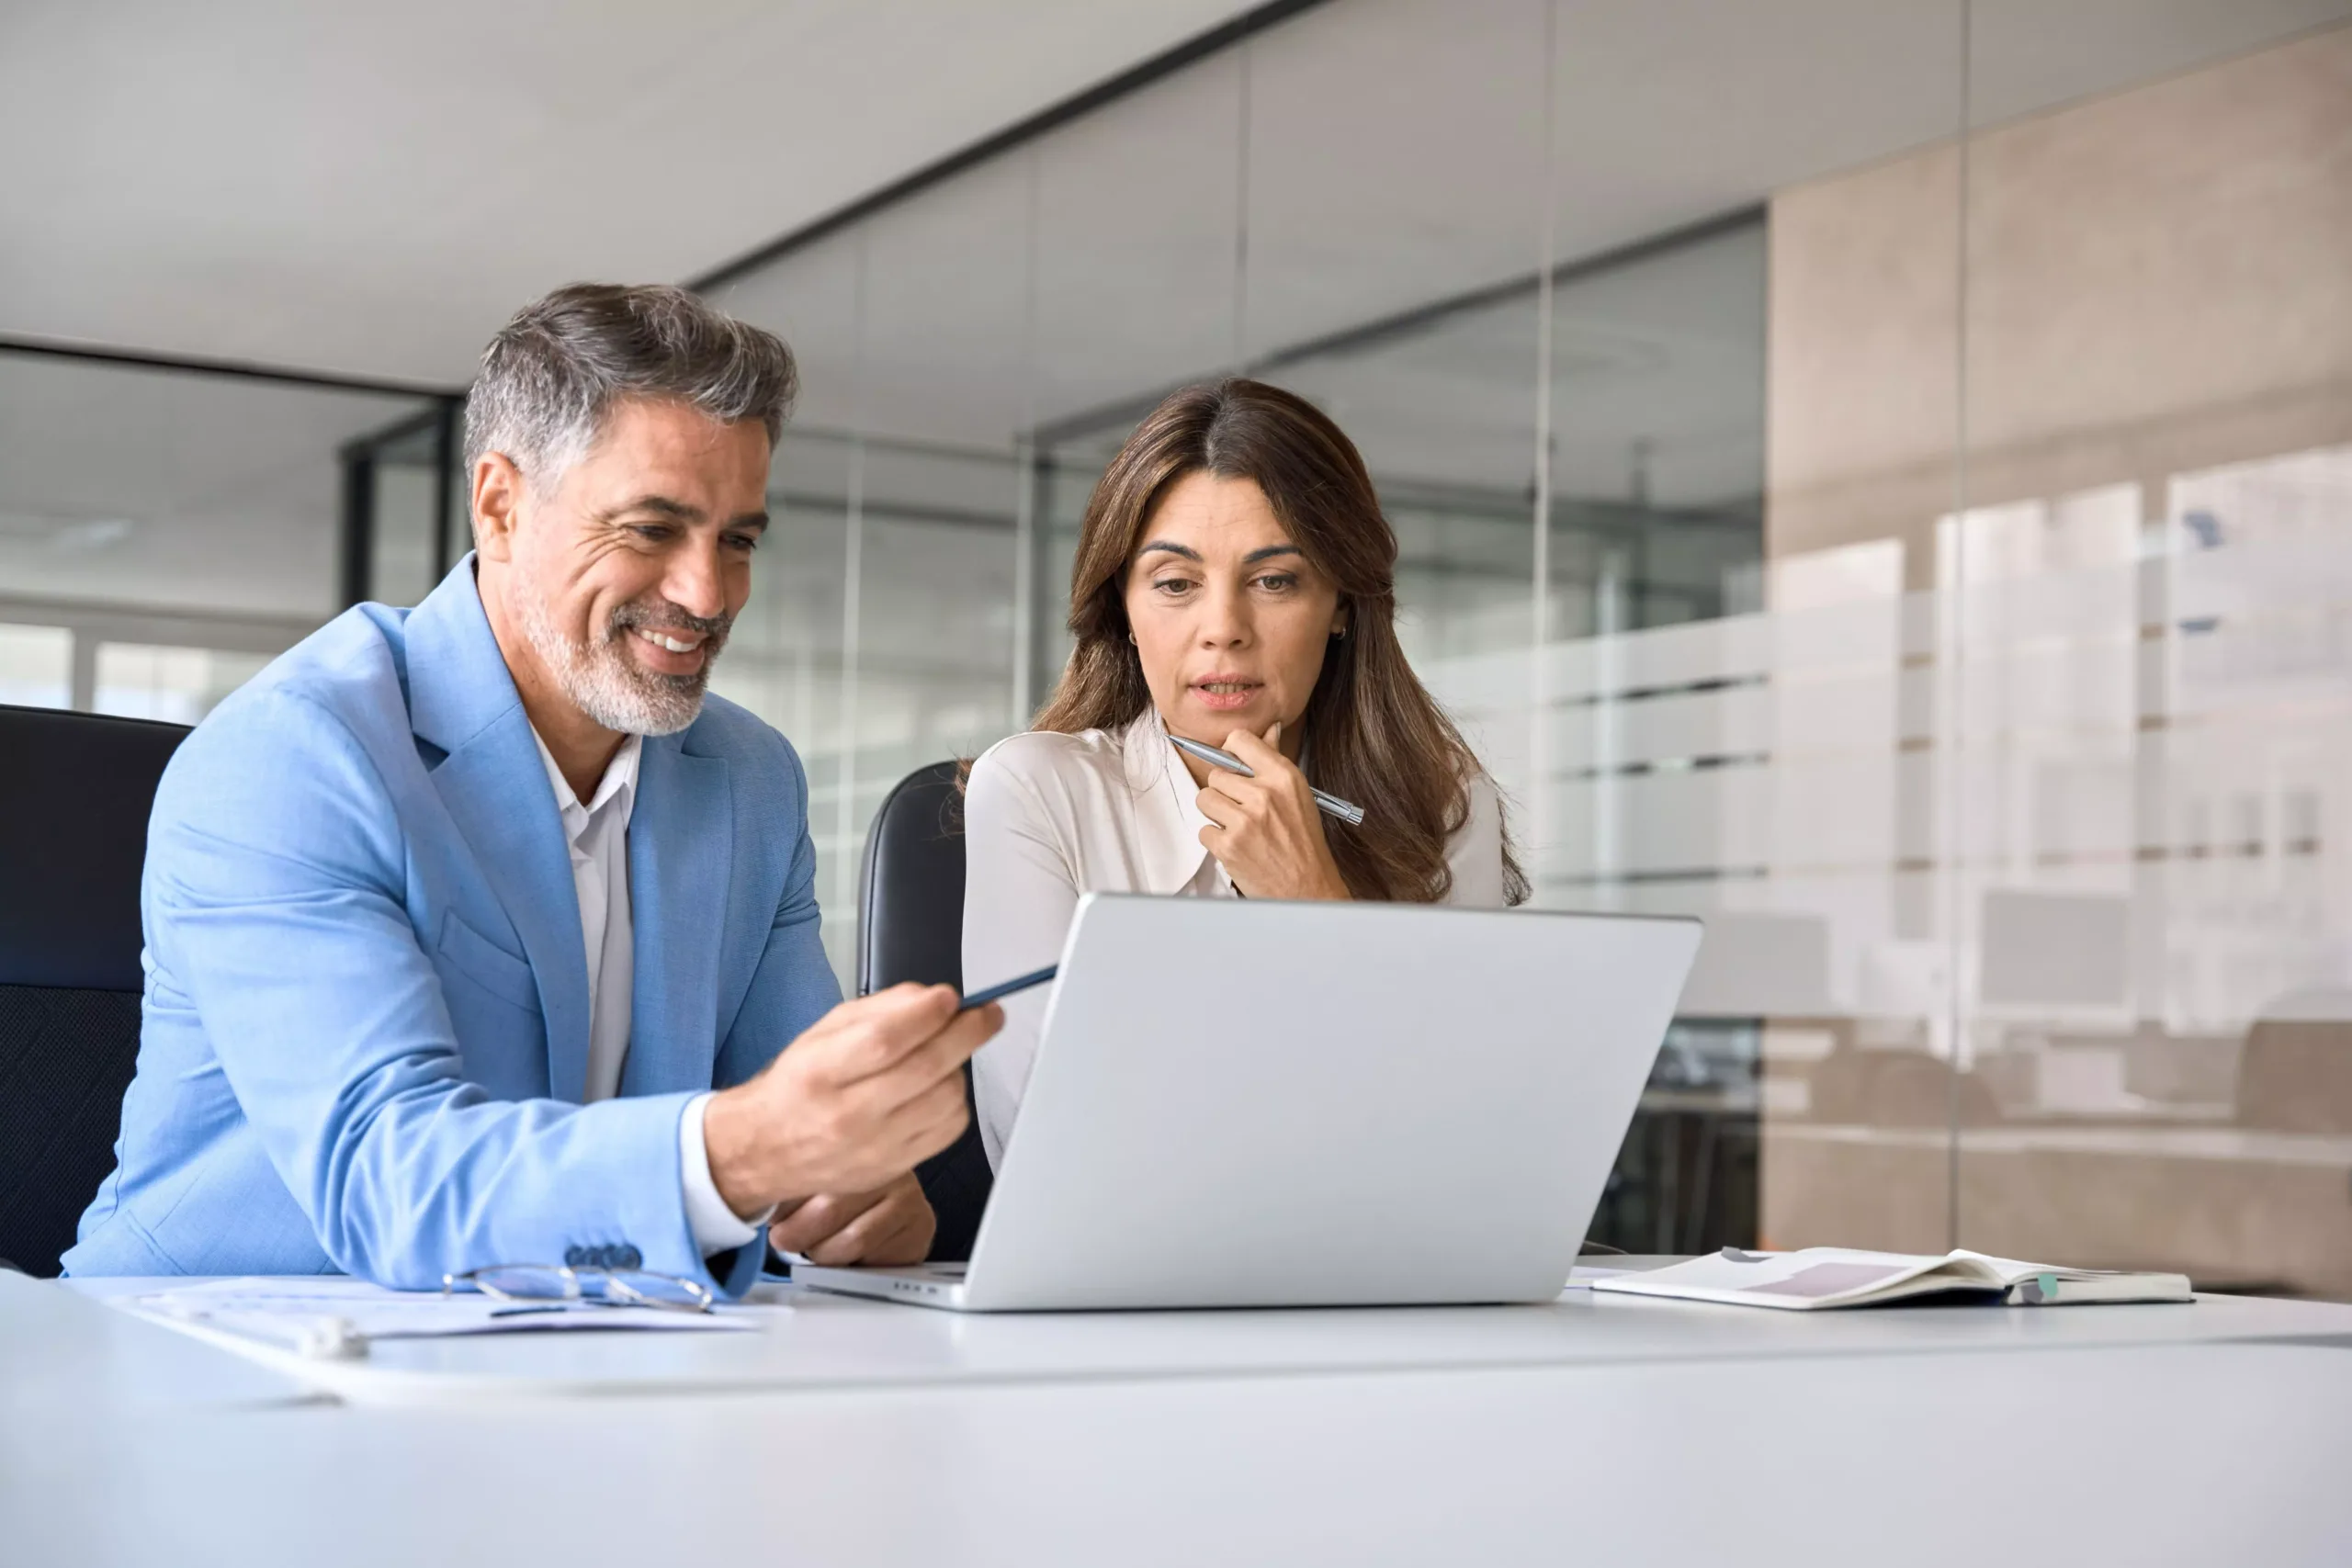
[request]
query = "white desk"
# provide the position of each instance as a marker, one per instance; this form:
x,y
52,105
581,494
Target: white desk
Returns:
x,y
2212,1453
820,1341
858,1431
61,1352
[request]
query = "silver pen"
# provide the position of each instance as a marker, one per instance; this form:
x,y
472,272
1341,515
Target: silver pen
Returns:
x,y
1345,810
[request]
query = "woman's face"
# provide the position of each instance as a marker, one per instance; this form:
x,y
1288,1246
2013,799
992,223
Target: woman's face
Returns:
x,y
1230,618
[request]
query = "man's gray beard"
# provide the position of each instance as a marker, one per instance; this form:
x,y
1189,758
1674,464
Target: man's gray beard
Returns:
x,y
601,678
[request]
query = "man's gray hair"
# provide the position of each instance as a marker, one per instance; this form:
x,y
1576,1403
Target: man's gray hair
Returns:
x,y
553,373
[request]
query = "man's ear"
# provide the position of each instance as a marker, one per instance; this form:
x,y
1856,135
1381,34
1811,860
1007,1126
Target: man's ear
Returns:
x,y
498,505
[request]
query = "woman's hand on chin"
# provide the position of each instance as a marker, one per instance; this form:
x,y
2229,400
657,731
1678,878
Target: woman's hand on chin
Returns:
x,y
1265,831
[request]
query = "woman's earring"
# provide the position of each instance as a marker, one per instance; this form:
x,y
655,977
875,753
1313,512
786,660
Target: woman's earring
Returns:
x,y
1131,638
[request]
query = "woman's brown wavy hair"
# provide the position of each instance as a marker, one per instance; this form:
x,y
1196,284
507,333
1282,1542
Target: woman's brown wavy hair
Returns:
x,y
1374,735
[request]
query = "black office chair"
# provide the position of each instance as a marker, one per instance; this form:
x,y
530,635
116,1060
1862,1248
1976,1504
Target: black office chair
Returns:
x,y
74,794
910,927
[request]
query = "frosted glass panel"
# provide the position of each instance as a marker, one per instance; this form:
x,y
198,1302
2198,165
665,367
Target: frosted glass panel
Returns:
x,y
179,685
37,666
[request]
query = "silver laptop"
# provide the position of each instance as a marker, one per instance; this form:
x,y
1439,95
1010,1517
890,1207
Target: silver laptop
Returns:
x,y
1245,1103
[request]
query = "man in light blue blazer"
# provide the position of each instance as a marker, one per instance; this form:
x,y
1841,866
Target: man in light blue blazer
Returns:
x,y
476,933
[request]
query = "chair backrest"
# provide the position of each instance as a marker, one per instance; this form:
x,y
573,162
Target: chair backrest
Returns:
x,y
911,892
910,927
74,795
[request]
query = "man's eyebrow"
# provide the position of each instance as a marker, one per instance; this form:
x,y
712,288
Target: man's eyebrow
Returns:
x,y
1173,549
751,520
1268,553
660,506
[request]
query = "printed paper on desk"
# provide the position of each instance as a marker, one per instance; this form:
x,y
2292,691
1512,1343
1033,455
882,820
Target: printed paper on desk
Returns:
x,y
335,1316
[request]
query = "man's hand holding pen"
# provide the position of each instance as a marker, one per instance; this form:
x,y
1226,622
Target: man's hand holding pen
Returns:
x,y
828,1134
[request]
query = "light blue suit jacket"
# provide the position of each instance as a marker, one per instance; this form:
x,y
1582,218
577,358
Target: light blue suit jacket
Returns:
x,y
365,1020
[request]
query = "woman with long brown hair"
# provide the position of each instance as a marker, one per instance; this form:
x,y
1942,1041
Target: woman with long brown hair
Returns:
x,y
1235,585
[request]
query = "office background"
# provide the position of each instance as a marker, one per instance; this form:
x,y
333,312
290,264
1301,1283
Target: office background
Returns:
x,y
1873,473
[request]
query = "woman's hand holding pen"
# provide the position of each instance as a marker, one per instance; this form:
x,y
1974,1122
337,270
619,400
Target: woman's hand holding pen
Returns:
x,y
1265,829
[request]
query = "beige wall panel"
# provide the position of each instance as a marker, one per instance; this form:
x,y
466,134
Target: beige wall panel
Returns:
x,y
2157,281
1828,1191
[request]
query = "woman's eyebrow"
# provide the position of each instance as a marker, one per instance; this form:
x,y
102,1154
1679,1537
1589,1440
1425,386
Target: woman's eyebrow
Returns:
x,y
1268,553
1173,549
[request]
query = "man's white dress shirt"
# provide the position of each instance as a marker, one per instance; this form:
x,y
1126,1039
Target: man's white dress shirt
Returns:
x,y
1049,817
598,835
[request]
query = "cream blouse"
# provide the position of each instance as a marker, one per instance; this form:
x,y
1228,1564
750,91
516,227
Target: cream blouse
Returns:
x,y
1048,817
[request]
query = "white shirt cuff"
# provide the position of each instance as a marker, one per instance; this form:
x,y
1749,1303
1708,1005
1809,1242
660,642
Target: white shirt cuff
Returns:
x,y
715,1226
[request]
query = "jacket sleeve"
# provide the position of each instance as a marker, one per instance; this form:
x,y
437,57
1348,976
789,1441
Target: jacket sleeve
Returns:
x,y
274,899
793,986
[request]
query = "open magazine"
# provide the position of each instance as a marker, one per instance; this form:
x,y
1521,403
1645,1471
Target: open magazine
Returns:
x,y
1822,1277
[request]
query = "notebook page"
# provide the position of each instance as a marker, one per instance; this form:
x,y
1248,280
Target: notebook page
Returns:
x,y
1818,1275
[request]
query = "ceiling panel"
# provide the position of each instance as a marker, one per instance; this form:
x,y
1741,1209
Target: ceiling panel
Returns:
x,y
372,189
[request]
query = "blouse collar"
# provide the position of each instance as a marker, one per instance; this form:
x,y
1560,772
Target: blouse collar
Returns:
x,y
1168,816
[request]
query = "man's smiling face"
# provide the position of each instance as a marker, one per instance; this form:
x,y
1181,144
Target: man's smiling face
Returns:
x,y
626,576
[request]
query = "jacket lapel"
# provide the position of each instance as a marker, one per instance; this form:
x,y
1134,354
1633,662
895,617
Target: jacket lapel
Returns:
x,y
462,701
681,850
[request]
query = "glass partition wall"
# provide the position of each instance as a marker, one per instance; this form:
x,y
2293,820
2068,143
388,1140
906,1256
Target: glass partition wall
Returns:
x,y
2144,650
1849,488
166,529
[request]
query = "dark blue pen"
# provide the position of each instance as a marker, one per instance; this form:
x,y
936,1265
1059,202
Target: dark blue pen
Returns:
x,y
1005,988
